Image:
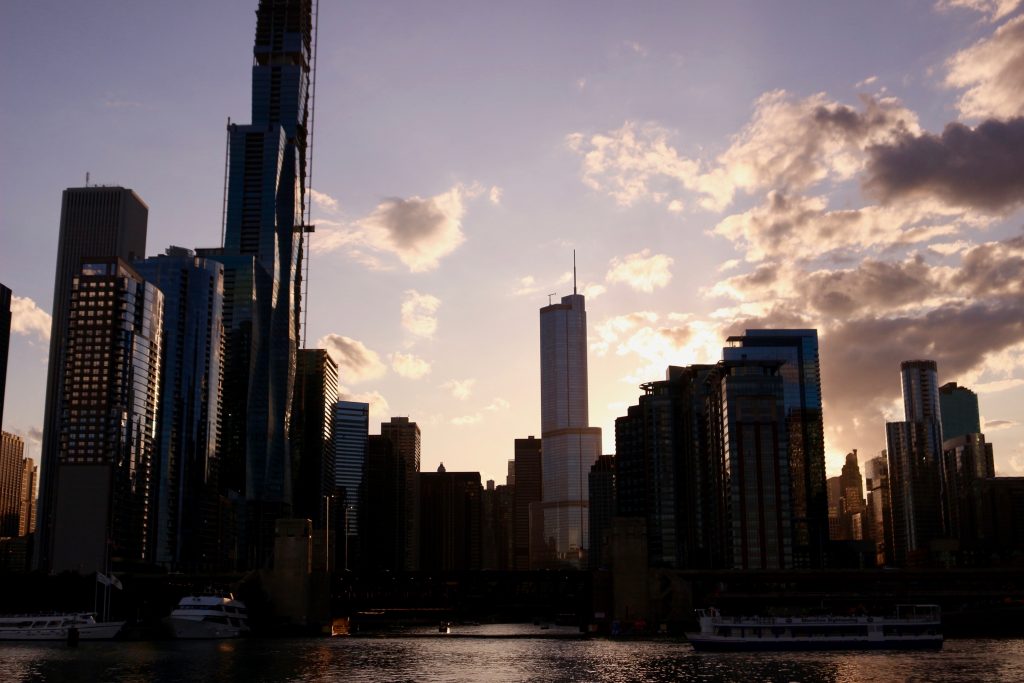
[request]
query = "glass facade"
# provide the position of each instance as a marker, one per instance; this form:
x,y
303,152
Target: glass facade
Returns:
x,y
351,434
958,408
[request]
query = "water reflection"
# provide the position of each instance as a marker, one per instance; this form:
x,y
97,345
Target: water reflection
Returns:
x,y
440,658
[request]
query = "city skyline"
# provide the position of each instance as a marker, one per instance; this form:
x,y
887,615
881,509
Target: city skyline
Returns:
x,y
646,148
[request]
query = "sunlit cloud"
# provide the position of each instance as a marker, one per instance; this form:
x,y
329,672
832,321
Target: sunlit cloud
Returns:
x,y
993,9
419,313
497,405
323,200
495,194
992,72
409,366
460,389
379,409
356,362
642,271
28,319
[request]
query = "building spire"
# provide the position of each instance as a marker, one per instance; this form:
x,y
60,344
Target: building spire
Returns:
x,y
573,271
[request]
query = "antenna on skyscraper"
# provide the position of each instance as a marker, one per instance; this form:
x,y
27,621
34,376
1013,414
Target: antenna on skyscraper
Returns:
x,y
87,179
573,271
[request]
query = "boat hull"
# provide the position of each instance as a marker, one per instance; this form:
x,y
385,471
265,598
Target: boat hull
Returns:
x,y
702,644
104,631
188,629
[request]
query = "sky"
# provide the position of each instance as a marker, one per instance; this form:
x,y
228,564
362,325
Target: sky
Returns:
x,y
717,166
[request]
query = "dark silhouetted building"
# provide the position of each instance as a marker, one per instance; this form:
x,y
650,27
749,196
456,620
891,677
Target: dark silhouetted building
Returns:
x,y
571,445
27,508
528,536
382,507
878,528
405,438
111,388
958,407
966,459
999,515
602,510
5,343
185,506
12,455
94,222
805,437
450,520
914,449
351,434
312,441
497,527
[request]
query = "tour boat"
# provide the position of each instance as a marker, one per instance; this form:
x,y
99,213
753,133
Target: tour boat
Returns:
x,y
209,616
915,627
57,627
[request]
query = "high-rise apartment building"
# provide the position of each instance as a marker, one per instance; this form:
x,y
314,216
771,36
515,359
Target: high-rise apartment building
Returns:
x,y
914,449
601,482
966,459
801,376
5,343
405,439
267,186
570,445
351,441
111,385
94,222
879,513
312,441
27,508
527,528
12,455
186,459
958,408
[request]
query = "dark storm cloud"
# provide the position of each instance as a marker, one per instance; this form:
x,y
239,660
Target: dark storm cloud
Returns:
x,y
981,168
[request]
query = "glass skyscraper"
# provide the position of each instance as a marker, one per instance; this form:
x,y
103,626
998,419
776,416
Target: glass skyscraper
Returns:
x,y
569,446
801,391
186,458
351,440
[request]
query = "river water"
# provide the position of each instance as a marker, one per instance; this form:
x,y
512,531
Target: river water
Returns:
x,y
422,657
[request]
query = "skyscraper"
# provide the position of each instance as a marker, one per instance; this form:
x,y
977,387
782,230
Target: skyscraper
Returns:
x,y
94,222
405,439
5,343
12,453
265,207
187,446
801,377
879,527
958,407
312,440
915,464
382,507
569,445
526,534
450,520
27,508
111,386
351,441
601,482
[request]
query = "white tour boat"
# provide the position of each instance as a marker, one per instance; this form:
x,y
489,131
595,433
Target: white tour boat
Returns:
x,y
915,627
209,616
56,626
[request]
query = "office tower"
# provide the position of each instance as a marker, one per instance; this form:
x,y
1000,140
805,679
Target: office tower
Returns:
x,y
185,503
497,534
94,222
601,482
749,426
111,387
351,434
846,502
966,459
27,507
12,453
405,438
450,520
914,449
382,507
267,183
958,407
999,515
312,440
879,512
527,539
5,342
836,532
570,445
806,435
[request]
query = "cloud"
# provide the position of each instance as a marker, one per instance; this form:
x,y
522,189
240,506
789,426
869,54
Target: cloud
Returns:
x,y
641,271
980,168
356,363
494,194
379,408
636,48
995,425
464,420
418,231
993,9
866,82
992,72
497,405
28,319
460,389
323,200
418,313
409,366
997,385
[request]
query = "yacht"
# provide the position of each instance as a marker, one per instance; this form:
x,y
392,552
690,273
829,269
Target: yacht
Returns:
x,y
209,616
915,627
57,627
